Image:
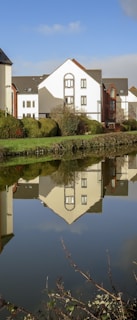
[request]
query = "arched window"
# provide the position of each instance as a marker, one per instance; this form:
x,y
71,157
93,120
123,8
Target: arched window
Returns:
x,y
68,81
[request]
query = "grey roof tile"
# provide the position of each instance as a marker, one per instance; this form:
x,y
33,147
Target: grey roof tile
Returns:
x,y
27,84
121,85
96,74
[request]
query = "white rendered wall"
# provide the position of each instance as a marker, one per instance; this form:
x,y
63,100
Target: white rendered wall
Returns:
x,y
55,85
27,110
5,88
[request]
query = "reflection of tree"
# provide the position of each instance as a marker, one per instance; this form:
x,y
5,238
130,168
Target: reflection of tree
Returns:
x,y
10,175
65,173
31,171
68,170
61,171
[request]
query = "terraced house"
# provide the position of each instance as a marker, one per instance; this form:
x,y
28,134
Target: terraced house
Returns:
x,y
106,100
26,98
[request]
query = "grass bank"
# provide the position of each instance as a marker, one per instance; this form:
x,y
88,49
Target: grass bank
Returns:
x,y
60,146
33,143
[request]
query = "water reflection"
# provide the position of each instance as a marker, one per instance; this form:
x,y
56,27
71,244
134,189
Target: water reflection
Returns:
x,y
91,203
84,190
6,216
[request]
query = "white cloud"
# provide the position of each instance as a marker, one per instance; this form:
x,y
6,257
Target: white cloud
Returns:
x,y
76,228
72,27
124,66
112,67
27,68
129,7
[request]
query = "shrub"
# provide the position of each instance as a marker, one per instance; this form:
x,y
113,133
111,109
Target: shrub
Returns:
x,y
124,127
31,127
2,114
66,119
48,127
89,126
10,127
130,124
69,124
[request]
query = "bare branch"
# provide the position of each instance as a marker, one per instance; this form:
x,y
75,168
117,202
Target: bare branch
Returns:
x,y
86,276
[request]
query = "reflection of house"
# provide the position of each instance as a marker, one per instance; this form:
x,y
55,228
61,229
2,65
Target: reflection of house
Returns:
x,y
124,170
73,200
128,167
6,216
85,191
117,188
26,189
118,183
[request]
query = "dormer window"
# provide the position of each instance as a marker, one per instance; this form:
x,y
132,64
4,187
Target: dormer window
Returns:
x,y
28,89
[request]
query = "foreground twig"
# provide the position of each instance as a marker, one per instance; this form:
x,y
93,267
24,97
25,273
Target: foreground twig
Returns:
x,y
14,310
86,276
110,272
135,276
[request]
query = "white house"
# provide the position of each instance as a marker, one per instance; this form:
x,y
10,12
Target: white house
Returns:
x,y
72,85
5,83
106,100
25,96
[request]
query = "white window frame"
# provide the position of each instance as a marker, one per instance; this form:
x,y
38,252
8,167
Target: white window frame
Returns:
x,y
69,100
83,83
83,100
83,199
69,83
28,104
83,182
69,200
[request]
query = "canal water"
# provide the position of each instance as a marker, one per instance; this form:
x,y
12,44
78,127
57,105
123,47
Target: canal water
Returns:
x,y
91,205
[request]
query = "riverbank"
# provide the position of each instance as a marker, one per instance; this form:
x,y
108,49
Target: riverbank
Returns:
x,y
63,145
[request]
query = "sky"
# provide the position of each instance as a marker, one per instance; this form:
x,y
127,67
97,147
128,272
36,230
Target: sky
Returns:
x,y
38,36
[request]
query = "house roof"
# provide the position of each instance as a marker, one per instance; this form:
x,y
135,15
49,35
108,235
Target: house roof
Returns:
x,y
26,191
121,85
4,59
27,84
4,240
78,64
96,74
133,90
